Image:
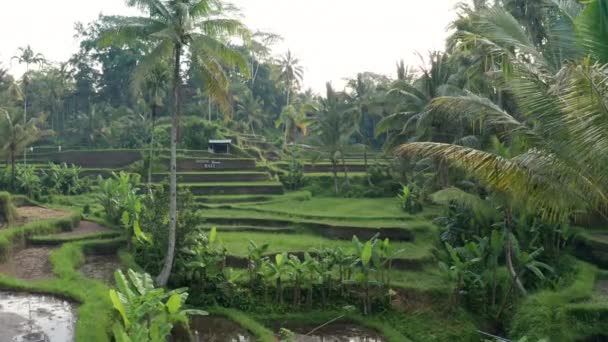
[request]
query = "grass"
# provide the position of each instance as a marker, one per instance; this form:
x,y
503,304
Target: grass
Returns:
x,y
236,243
369,208
7,209
54,240
416,223
546,313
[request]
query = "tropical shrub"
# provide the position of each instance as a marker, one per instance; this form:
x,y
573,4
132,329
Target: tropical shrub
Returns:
x,y
154,217
118,194
410,199
147,313
27,181
294,179
63,179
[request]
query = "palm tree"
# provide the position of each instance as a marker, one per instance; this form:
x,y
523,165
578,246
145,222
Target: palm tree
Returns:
x,y
260,49
290,74
15,136
155,89
28,57
561,116
176,30
333,126
250,110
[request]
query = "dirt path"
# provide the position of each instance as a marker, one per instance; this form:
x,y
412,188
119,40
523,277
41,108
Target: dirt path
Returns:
x,y
84,228
29,264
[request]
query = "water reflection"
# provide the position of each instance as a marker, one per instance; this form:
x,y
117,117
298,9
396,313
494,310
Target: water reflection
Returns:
x,y
29,317
336,332
214,329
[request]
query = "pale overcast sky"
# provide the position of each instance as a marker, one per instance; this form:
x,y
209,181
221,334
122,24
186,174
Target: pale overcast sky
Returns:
x,y
333,39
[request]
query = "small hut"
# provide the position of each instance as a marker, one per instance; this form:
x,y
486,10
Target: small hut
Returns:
x,y
220,146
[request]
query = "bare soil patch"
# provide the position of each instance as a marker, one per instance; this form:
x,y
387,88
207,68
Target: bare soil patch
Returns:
x,y
29,264
84,228
29,214
101,267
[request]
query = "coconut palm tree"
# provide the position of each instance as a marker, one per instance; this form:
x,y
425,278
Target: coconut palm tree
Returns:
x,y
560,114
333,126
290,74
250,110
181,30
28,57
154,88
15,136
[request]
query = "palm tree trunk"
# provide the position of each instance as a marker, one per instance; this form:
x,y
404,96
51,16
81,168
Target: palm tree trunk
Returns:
x,y
24,123
13,174
334,169
151,148
209,114
163,277
509,251
27,70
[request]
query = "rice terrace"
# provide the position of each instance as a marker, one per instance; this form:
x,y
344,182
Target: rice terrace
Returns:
x,y
178,177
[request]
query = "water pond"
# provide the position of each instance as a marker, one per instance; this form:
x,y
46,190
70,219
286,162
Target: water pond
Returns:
x,y
213,329
35,318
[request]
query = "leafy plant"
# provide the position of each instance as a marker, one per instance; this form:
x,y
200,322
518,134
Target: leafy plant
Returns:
x,y
146,313
294,179
63,179
118,194
410,199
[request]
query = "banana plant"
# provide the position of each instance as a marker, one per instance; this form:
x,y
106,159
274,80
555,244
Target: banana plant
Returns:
x,y
146,313
202,259
255,257
299,270
280,273
311,266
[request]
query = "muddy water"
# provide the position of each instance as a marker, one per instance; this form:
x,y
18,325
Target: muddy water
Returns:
x,y
33,318
101,267
214,329
336,332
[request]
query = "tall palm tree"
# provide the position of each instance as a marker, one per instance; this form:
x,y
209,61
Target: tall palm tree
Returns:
x,y
178,30
290,74
260,49
250,110
15,136
333,126
154,89
560,113
28,57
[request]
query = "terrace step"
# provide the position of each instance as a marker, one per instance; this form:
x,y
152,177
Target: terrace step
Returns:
x,y
202,177
213,164
219,199
252,188
242,229
319,228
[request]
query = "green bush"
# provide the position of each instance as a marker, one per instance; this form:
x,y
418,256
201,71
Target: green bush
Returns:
x,y
8,212
545,314
64,180
294,178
